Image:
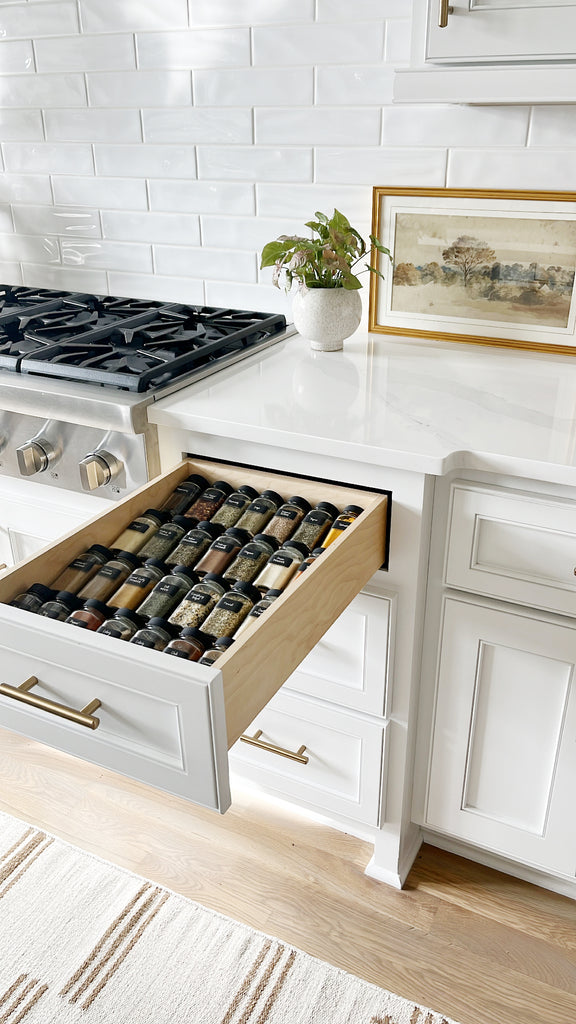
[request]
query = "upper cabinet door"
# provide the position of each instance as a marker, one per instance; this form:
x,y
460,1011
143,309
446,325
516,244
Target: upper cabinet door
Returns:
x,y
500,30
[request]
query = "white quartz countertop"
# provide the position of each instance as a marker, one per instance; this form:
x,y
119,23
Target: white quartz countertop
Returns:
x,y
430,407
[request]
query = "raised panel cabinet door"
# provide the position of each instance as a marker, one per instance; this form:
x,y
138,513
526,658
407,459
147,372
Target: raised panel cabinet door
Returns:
x,y
504,30
503,760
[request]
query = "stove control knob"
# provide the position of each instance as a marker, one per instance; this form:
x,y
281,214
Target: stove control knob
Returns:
x,y
35,456
99,468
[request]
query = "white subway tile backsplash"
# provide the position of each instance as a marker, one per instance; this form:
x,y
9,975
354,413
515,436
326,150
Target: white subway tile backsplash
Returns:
x,y
139,88
339,10
369,85
319,43
132,15
6,222
210,48
51,158
71,278
111,193
175,228
152,286
249,12
91,125
107,255
553,126
512,168
453,125
29,21
248,87
398,41
43,91
216,264
204,126
301,201
379,166
247,232
16,57
146,161
10,273
29,248
255,163
25,188
202,197
21,124
85,53
56,220
330,126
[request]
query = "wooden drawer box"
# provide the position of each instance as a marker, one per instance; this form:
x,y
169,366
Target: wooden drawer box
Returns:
x,y
514,546
163,721
344,753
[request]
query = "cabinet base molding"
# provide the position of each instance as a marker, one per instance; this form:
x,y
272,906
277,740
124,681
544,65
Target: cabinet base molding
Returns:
x,y
398,875
562,884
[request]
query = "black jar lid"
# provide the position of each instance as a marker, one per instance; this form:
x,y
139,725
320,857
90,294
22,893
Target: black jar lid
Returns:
x,y
327,506
132,616
249,491
248,589
42,591
214,529
214,577
98,606
268,539
181,521
223,643
158,564
318,551
352,509
69,600
298,546
99,549
194,633
242,536
273,496
127,556
271,593
161,623
221,485
300,502
159,513
197,478
186,571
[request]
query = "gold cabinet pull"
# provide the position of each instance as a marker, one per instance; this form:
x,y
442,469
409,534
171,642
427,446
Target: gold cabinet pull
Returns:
x,y
3,566
444,9
21,693
293,755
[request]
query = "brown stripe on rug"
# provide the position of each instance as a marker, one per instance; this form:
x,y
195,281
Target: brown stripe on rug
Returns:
x,y
84,940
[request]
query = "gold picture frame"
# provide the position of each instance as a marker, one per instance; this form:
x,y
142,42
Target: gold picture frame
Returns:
x,y
485,266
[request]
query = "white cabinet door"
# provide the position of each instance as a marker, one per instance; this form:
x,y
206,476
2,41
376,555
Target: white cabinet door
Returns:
x,y
503,761
501,30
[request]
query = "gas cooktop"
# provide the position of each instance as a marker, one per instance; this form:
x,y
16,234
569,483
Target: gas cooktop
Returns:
x,y
135,345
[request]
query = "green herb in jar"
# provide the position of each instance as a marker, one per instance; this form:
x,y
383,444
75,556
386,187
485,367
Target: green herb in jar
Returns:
x,y
251,559
236,503
259,511
166,539
199,601
168,593
194,544
316,524
231,610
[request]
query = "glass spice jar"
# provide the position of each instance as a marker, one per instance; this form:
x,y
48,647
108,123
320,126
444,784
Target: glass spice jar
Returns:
x,y
191,644
199,602
308,562
91,616
220,646
123,624
180,500
287,518
251,559
259,608
155,634
110,576
194,544
165,539
229,513
343,521
282,566
210,500
33,598
231,610
222,551
316,524
60,606
140,530
162,600
82,568
260,511
138,585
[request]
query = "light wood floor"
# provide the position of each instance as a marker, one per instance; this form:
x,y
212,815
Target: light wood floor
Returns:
x,y
467,941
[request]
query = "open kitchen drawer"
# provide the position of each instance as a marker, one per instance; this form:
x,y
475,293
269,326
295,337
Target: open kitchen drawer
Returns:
x,y
165,721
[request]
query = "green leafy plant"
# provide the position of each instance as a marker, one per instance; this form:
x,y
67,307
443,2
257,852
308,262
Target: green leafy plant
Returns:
x,y
328,261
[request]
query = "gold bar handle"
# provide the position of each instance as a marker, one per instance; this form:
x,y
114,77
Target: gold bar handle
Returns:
x,y
21,693
444,9
292,755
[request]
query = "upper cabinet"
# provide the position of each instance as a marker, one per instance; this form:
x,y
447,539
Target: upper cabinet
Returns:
x,y
491,51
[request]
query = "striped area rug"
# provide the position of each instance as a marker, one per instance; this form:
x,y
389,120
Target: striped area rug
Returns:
x,y
84,941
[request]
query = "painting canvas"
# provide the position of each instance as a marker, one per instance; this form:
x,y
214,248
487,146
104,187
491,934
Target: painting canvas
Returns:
x,y
489,267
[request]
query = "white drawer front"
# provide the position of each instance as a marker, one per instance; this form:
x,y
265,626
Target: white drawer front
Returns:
x,y
350,664
345,757
512,546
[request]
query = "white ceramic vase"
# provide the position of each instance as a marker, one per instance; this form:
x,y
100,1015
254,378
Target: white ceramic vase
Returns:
x,y
326,316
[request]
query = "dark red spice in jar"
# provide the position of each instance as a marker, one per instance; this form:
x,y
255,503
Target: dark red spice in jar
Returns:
x,y
194,544
91,616
210,500
287,518
222,551
191,644
185,494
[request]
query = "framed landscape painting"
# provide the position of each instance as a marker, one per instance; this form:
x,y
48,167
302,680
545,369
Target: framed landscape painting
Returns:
x,y
482,266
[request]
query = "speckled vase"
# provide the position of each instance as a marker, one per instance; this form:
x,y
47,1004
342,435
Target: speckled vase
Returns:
x,y
326,316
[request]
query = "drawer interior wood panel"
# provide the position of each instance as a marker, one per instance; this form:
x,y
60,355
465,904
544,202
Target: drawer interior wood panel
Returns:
x,y
511,545
209,708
